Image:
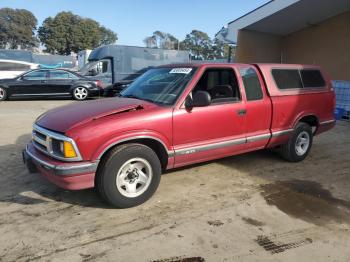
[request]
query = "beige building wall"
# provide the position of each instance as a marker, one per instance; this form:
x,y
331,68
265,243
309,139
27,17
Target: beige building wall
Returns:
x,y
326,44
255,47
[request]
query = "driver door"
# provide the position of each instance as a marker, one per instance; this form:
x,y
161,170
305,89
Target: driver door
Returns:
x,y
214,131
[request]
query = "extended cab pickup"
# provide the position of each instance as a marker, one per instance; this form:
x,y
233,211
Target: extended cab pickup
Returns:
x,y
177,115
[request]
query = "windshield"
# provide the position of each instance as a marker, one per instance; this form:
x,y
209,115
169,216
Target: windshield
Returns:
x,y
160,85
85,69
96,68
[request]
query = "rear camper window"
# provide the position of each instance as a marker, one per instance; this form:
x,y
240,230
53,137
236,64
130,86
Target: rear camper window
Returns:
x,y
287,78
312,78
296,79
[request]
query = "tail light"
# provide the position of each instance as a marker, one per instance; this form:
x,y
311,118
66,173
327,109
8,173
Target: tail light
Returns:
x,y
98,83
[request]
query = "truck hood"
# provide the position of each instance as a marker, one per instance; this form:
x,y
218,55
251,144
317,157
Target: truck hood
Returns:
x,y
62,119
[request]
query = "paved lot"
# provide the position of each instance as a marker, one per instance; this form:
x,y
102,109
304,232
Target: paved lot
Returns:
x,y
253,207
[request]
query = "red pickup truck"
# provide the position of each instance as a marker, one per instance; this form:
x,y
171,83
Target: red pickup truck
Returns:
x,y
177,115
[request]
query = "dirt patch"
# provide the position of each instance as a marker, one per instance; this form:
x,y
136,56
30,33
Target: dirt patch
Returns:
x,y
215,223
181,259
253,222
277,247
308,201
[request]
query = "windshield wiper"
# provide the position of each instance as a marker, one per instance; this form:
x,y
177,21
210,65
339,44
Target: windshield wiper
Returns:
x,y
139,98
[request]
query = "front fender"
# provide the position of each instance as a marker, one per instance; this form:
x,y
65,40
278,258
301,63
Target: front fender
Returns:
x,y
129,136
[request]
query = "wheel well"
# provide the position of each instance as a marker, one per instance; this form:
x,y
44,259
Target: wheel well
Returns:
x,y
76,86
310,120
155,145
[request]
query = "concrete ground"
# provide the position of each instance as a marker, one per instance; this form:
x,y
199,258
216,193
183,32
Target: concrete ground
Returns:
x,y
252,207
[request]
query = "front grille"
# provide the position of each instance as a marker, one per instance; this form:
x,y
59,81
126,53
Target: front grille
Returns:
x,y
40,135
40,141
40,146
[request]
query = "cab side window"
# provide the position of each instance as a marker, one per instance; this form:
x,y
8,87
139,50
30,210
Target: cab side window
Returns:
x,y
221,84
251,84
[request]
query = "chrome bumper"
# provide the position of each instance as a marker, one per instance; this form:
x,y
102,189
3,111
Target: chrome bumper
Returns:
x,y
32,159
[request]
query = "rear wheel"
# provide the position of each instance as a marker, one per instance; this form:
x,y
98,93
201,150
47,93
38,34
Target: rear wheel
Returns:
x,y
128,175
299,144
3,94
80,93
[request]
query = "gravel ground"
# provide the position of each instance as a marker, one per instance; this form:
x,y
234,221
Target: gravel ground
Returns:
x,y
252,207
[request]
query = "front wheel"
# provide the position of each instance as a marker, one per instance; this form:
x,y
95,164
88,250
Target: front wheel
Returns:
x,y
3,94
128,175
80,93
299,144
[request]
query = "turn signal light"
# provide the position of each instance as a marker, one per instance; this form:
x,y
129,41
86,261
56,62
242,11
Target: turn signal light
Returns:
x,y
68,150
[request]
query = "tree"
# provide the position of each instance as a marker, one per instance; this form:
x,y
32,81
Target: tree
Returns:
x,y
67,32
107,36
17,28
221,50
150,42
199,44
162,40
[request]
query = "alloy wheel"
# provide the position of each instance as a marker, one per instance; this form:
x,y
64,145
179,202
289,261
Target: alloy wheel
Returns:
x,y
80,93
134,177
302,143
2,93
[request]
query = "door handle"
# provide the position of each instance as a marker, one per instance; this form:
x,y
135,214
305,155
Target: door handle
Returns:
x,y
241,112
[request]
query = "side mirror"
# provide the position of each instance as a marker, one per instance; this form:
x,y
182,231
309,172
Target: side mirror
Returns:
x,y
200,99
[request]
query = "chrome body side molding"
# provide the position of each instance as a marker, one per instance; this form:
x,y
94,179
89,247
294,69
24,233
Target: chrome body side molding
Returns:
x,y
282,132
327,122
196,149
239,141
42,94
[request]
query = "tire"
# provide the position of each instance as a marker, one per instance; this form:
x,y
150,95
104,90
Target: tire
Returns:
x,y
3,94
299,144
80,93
128,175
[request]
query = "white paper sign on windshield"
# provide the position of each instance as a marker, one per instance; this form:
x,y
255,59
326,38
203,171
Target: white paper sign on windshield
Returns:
x,y
180,70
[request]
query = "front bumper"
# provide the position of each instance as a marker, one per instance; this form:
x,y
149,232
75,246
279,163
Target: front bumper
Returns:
x,y
68,175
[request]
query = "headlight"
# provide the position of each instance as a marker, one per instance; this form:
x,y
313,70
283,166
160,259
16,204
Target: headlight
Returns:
x,y
63,149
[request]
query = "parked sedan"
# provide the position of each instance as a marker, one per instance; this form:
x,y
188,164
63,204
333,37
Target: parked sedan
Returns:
x,y
49,83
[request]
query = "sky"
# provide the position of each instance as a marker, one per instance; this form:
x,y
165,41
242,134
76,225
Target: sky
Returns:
x,y
133,20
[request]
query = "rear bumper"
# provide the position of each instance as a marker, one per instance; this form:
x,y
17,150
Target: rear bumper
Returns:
x,y
95,92
325,126
68,175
